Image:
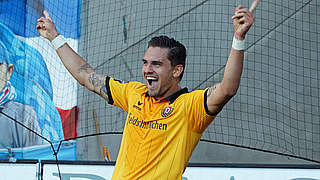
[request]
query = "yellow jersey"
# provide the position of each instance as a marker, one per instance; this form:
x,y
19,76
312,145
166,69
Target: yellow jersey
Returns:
x,y
159,136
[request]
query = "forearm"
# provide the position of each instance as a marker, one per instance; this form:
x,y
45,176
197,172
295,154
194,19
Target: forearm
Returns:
x,y
220,94
242,21
76,65
232,73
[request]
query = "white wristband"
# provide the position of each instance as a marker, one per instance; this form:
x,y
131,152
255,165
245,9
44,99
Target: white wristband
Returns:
x,y
238,44
58,41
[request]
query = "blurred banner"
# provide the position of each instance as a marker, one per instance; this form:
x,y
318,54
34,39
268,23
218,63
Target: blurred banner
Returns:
x,y
45,98
72,170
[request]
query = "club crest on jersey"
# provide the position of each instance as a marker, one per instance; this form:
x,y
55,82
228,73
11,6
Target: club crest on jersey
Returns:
x,y
166,111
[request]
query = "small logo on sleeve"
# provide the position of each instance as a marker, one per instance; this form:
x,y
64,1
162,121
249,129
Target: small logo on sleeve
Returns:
x,y
166,111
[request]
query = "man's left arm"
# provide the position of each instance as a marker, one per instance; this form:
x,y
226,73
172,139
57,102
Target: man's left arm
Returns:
x,y
220,94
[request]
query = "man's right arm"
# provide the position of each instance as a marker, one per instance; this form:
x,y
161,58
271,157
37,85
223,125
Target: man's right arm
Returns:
x,y
82,71
75,64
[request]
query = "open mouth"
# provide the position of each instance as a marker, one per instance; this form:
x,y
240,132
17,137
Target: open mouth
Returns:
x,y
152,81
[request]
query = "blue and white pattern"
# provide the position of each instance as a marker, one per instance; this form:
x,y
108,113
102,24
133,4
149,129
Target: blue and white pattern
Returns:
x,y
7,94
39,77
32,83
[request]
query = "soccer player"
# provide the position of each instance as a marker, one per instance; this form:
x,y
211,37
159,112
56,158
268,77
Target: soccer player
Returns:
x,y
164,122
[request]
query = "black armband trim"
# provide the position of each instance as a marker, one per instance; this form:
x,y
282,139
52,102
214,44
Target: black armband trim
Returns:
x,y
110,100
206,105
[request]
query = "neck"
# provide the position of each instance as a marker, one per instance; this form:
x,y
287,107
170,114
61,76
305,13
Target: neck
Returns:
x,y
169,92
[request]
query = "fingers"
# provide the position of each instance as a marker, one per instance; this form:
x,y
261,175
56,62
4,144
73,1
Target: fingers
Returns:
x,y
244,12
238,8
46,18
46,15
253,6
243,19
39,26
43,20
41,23
251,9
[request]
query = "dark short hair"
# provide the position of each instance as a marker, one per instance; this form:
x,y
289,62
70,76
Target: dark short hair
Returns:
x,y
177,52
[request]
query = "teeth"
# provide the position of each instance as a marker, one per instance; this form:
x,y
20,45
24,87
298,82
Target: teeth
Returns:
x,y
151,78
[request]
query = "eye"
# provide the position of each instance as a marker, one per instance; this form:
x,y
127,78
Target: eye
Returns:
x,y
157,64
144,62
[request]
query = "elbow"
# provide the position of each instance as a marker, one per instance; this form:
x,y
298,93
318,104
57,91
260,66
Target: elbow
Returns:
x,y
85,84
230,89
229,92
229,96
83,81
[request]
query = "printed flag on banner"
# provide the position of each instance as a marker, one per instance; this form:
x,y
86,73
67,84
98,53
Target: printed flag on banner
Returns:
x,y
39,79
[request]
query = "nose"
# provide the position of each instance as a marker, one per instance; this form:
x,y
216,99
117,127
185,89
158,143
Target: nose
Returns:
x,y
148,68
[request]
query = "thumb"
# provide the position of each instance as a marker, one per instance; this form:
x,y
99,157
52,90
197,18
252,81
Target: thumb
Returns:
x,y
46,15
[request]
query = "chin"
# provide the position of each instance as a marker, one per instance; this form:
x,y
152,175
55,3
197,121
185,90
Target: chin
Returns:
x,y
153,93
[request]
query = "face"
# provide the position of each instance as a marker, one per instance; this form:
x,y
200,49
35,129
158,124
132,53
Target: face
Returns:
x,y
158,73
5,74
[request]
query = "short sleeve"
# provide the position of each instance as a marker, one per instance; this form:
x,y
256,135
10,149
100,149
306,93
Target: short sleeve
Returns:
x,y
120,93
117,93
196,106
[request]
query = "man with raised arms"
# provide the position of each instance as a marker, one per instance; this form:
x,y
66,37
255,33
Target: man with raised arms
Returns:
x,y
165,122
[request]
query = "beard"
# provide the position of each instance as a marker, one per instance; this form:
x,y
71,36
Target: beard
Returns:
x,y
160,91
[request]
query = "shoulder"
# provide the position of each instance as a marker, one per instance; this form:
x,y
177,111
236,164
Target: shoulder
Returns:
x,y
195,99
130,85
195,94
138,85
189,99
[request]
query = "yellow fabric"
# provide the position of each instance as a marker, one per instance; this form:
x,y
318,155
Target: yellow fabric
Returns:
x,y
159,137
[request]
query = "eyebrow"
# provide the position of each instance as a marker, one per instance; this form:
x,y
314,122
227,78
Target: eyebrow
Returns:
x,y
155,60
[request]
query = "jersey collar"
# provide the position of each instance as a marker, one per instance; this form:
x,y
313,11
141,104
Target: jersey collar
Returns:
x,y
173,96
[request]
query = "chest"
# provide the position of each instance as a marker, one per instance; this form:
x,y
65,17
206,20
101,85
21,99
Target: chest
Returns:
x,y
147,117
148,109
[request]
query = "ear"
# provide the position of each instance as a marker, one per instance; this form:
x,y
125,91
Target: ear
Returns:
x,y
10,71
177,71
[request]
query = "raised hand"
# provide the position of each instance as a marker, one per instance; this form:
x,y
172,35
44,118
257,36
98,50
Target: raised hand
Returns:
x,y
46,27
243,19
